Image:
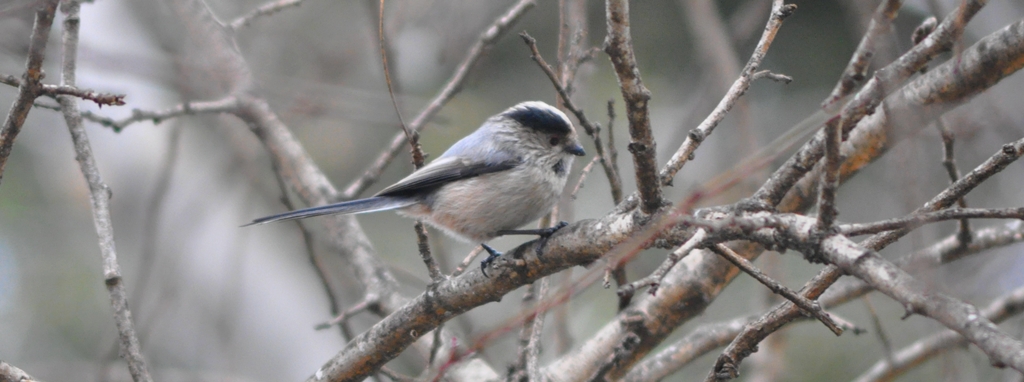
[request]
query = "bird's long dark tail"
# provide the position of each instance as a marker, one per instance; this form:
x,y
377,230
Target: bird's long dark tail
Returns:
x,y
372,204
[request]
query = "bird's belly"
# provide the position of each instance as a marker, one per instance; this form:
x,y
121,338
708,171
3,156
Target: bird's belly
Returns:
x,y
476,209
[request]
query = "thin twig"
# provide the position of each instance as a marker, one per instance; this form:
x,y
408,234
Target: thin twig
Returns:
x,y
876,323
534,344
435,347
154,212
29,89
464,264
654,279
422,242
696,136
322,272
453,86
583,176
224,105
809,306
593,130
99,192
613,155
856,69
263,10
829,184
52,91
572,33
771,76
914,220
518,371
854,73
619,46
346,314
619,271
394,375
949,162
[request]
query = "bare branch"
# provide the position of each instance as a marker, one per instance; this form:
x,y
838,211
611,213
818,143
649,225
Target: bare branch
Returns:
x,y
914,220
99,192
772,76
415,150
854,73
884,81
263,10
809,306
876,324
613,156
856,70
739,87
619,46
583,176
347,313
53,91
227,104
830,176
949,163
594,131
654,279
979,67
29,89
533,346
526,367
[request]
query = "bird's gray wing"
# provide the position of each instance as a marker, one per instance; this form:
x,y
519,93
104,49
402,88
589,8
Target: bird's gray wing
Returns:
x,y
447,169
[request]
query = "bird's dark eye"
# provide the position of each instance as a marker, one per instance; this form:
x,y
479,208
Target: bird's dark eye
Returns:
x,y
554,141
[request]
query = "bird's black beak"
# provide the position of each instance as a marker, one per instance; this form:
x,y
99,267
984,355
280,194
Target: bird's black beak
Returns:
x,y
574,148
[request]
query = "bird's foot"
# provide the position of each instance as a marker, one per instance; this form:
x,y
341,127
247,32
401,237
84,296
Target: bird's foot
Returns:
x,y
546,234
494,254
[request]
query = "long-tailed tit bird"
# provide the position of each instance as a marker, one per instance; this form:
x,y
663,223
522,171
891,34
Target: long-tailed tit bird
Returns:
x,y
507,173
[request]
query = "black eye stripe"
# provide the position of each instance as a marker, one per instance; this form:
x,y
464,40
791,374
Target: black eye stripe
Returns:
x,y
540,119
